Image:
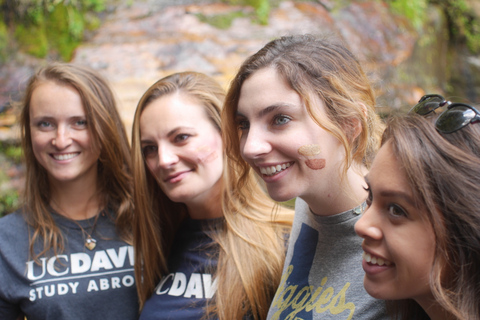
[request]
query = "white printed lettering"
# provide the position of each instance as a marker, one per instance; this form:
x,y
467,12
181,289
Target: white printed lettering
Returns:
x,y
80,262
51,266
208,286
104,285
100,260
128,281
194,287
30,267
62,289
159,287
116,283
92,285
179,284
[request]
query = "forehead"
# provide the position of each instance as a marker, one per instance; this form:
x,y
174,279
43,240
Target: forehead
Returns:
x,y
173,110
54,99
387,170
264,88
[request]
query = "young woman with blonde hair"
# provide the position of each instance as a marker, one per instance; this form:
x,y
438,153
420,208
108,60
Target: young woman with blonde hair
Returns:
x,y
67,253
203,249
421,228
300,113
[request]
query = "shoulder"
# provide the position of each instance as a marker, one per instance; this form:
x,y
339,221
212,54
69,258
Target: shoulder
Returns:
x,y
13,221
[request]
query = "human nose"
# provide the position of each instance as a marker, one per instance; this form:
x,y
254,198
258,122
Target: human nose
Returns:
x,y
62,137
167,156
255,143
368,226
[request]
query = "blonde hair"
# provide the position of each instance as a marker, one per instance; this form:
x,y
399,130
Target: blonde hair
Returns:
x,y
314,68
108,134
251,241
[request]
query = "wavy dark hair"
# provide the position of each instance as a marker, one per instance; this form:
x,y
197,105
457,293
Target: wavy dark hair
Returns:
x,y
444,174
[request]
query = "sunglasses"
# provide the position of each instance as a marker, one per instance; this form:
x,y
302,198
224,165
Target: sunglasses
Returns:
x,y
457,115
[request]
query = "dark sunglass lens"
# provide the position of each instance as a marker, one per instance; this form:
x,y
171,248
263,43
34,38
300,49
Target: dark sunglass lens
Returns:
x,y
428,105
454,119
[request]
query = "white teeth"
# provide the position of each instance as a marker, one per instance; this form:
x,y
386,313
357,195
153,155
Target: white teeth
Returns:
x,y
375,260
270,171
65,156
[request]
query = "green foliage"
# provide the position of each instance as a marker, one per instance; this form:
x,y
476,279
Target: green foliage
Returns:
x,y
9,197
3,40
262,8
9,202
32,39
53,25
464,24
221,21
65,30
14,153
413,10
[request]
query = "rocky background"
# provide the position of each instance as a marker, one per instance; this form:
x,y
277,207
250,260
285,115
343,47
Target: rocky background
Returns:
x,y
142,41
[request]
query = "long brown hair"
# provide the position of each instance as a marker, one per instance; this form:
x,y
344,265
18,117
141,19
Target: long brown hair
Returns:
x,y
108,134
251,241
314,67
444,174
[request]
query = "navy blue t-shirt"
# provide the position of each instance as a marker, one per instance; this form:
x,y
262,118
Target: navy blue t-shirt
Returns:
x,y
184,292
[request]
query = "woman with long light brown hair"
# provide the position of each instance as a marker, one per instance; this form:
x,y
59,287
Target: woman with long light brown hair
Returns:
x,y
67,253
300,113
203,249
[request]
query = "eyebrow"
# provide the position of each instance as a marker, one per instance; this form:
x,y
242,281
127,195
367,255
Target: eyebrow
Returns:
x,y
169,134
267,110
393,193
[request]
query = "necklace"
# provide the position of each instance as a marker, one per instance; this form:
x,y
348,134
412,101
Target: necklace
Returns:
x,y
90,243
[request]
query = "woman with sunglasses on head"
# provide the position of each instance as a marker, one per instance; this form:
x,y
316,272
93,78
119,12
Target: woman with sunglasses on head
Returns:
x,y
203,249
421,228
67,253
300,114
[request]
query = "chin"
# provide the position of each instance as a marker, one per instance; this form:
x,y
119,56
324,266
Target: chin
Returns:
x,y
377,292
280,197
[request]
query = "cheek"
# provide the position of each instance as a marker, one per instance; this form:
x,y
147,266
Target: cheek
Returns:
x,y
315,164
209,151
311,154
206,154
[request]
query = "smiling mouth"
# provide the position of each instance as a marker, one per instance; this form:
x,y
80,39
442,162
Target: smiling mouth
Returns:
x,y
272,170
375,260
65,156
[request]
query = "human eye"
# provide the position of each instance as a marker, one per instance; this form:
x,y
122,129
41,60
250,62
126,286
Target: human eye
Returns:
x,y
182,137
44,125
242,124
82,122
280,120
396,211
369,196
149,151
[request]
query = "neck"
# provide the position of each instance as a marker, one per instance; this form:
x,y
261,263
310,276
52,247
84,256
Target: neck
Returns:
x,y
207,208
349,194
435,311
75,201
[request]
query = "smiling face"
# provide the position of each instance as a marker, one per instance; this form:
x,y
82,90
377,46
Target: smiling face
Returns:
x,y
182,149
281,142
61,141
399,244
